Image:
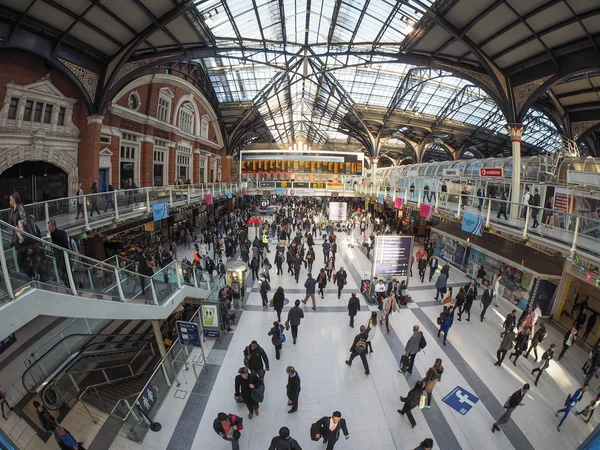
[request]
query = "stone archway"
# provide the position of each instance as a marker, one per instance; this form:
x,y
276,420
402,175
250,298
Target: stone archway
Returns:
x,y
60,158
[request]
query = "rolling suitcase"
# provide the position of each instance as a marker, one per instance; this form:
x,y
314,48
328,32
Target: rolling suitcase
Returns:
x,y
404,362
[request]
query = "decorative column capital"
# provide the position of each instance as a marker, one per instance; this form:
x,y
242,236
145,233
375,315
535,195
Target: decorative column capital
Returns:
x,y
515,130
95,119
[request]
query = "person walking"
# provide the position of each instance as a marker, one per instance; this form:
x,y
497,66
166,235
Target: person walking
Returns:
x,y
371,327
433,375
254,357
310,285
94,198
329,267
426,444
66,439
460,302
445,322
310,258
254,265
433,266
245,382
284,441
264,288
497,287
340,280
278,301
538,338
277,338
536,207
359,348
510,405
545,363
413,346
353,308
390,305
589,326
505,346
422,266
293,388
228,426
322,282
329,429
502,211
521,343
509,322
486,301
295,315
47,420
440,285
411,401
570,403
470,296
568,341
80,201
588,411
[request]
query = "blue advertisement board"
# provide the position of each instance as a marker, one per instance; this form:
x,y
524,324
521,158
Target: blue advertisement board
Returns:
x,y
472,224
460,400
160,211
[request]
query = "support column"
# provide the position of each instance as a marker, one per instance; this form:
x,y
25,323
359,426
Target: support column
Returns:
x,y
196,169
159,338
374,162
147,162
515,130
226,166
89,152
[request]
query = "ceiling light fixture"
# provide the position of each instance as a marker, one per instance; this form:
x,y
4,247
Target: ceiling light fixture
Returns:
x,y
408,28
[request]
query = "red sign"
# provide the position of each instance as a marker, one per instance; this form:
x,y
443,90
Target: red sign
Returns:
x,y
491,172
209,199
426,211
398,202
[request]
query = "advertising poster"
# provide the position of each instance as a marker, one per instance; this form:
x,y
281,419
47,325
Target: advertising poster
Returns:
x,y
228,192
392,256
398,202
472,224
380,198
301,192
543,293
338,211
208,198
426,211
280,191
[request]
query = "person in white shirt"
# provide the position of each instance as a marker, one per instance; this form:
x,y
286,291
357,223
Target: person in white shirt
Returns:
x,y
380,290
526,197
497,287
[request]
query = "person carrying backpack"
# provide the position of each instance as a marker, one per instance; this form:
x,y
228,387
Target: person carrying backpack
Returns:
x,y
284,441
359,348
415,344
277,338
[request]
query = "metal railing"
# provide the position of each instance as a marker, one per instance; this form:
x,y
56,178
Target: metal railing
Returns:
x,y
571,232
127,409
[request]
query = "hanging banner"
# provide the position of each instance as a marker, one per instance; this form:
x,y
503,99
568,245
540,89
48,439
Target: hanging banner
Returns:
x,y
244,192
380,198
208,198
301,192
228,193
426,211
280,191
472,224
338,211
398,202
160,211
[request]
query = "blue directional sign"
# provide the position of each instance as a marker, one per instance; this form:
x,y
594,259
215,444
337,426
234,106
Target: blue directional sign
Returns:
x,y
189,334
148,398
460,400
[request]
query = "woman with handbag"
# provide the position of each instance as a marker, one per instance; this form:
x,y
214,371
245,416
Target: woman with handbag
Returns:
x,y
245,382
277,338
322,282
389,306
433,375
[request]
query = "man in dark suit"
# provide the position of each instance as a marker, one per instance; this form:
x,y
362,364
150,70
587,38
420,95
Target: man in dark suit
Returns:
x,y
329,429
486,301
433,266
535,210
293,388
502,211
510,405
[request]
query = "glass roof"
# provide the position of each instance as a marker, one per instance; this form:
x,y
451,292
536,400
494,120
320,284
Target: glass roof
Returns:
x,y
290,63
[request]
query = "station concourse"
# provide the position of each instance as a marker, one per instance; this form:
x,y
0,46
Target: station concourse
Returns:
x,y
171,172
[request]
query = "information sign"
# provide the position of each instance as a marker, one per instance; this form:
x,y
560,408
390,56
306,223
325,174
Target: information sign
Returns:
x,y
189,334
338,211
147,399
392,256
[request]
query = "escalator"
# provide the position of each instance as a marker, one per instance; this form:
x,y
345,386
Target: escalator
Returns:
x,y
101,361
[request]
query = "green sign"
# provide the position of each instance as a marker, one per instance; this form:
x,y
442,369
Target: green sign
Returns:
x,y
209,316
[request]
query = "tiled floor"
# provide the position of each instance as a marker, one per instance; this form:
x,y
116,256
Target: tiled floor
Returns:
x,y
369,403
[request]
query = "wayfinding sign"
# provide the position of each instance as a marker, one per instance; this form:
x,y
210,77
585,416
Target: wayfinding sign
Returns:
x,y
189,333
392,256
148,399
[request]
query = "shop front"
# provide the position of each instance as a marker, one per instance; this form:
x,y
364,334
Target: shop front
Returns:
x,y
524,282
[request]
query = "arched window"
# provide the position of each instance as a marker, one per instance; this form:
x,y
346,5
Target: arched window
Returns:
x,y
186,118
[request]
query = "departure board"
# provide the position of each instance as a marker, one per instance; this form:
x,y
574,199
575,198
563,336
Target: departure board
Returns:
x,y
296,162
